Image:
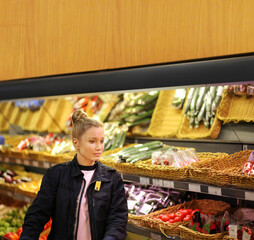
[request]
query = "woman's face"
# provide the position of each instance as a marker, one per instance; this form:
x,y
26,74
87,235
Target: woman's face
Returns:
x,y
90,146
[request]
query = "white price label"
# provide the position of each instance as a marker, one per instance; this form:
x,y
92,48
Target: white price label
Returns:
x,y
155,236
194,187
131,204
146,208
35,163
246,236
249,195
233,231
26,162
158,182
18,161
144,180
46,164
168,184
214,190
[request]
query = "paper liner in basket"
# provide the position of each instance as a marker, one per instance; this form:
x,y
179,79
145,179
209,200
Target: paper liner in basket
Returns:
x,y
165,119
235,108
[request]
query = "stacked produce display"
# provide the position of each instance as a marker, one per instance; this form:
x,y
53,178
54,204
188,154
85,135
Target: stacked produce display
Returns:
x,y
131,114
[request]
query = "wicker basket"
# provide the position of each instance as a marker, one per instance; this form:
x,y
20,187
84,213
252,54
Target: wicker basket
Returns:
x,y
239,179
189,234
201,132
139,220
146,168
165,120
236,108
210,169
226,237
207,206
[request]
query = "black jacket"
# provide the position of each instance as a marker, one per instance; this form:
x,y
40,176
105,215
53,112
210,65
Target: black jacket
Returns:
x,y
58,196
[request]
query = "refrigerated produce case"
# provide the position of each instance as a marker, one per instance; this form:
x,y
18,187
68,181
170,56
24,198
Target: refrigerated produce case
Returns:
x,y
234,137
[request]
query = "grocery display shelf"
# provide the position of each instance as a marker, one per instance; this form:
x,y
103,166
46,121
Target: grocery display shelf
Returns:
x,y
150,233
27,162
210,189
20,196
228,191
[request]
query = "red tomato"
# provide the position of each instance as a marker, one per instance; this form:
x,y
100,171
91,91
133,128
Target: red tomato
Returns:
x,y
165,218
184,211
187,218
179,214
178,219
171,220
172,215
19,231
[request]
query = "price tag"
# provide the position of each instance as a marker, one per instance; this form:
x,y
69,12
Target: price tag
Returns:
x,y
46,164
214,190
144,180
246,236
35,163
158,182
249,195
155,236
26,162
233,231
131,204
146,208
194,187
168,184
18,161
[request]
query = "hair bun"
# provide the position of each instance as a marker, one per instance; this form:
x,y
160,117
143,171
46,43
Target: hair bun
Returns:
x,y
78,115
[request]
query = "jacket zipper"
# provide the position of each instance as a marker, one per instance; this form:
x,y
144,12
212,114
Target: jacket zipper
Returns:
x,y
77,215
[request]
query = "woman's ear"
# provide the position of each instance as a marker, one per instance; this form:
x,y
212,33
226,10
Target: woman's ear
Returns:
x,y
75,142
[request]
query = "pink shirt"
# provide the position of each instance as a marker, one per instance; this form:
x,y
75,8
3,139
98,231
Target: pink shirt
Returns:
x,y
84,232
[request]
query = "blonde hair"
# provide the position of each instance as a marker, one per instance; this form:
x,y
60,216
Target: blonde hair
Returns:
x,y
81,123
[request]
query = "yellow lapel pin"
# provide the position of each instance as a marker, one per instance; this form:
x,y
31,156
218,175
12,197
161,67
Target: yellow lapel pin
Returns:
x,y
97,186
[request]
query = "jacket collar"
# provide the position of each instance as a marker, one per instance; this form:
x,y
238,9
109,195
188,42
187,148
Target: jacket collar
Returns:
x,y
100,174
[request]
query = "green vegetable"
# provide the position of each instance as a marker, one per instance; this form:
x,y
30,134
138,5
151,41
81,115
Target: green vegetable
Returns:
x,y
193,103
178,98
141,148
133,118
189,99
201,96
141,122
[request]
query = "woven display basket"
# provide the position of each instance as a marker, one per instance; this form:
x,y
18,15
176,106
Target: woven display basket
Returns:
x,y
189,234
146,168
201,132
207,206
165,119
139,220
210,169
226,237
236,108
239,179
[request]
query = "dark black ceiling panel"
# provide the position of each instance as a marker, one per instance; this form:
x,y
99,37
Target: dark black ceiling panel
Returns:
x,y
229,69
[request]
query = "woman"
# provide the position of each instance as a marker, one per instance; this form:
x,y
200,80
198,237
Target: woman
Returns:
x,y
84,198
